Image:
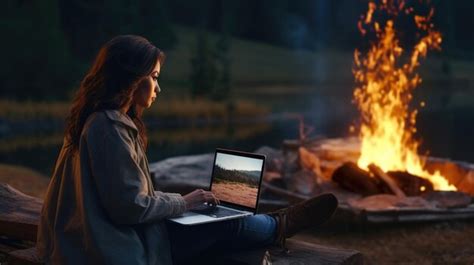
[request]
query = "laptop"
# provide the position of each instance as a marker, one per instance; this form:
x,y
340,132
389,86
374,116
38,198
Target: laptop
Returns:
x,y
236,180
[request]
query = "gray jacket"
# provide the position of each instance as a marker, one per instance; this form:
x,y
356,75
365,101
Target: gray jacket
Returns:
x,y
101,207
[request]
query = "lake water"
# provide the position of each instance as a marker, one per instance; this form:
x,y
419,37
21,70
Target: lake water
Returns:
x,y
445,133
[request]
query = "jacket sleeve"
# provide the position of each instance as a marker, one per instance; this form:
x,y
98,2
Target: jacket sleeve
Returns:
x,y
122,184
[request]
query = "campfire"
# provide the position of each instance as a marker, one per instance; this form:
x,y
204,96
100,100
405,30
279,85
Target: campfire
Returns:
x,y
380,170
383,94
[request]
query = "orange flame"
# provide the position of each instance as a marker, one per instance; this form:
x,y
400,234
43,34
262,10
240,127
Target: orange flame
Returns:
x,y
383,93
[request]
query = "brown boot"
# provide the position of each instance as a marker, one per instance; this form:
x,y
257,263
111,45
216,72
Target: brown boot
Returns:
x,y
309,213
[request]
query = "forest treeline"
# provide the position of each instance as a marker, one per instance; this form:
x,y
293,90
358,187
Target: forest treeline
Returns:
x,y
251,178
47,46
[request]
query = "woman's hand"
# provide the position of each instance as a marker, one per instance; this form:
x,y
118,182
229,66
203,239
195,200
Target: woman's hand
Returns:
x,y
198,197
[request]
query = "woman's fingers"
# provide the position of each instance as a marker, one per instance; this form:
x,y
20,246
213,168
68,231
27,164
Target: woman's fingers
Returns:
x,y
211,198
216,200
199,196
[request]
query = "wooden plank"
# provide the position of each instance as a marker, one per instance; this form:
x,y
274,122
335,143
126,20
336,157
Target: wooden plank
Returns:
x,y
8,244
6,248
24,257
19,213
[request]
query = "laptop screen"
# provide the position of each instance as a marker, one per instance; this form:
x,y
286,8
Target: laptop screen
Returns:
x,y
236,177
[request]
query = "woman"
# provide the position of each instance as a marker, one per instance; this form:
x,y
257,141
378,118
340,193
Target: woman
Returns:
x,y
101,206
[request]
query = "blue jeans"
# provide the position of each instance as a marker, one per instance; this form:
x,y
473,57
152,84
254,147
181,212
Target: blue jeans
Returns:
x,y
248,232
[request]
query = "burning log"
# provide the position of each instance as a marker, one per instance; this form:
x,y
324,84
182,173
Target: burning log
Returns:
x,y
392,185
410,184
349,176
296,176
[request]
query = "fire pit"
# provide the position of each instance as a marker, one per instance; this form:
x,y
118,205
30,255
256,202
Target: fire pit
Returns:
x,y
379,176
304,169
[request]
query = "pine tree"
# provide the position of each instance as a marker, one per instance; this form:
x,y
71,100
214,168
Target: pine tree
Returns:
x,y
204,72
35,59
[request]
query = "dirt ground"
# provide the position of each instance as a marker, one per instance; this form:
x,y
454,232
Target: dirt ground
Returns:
x,y
236,192
435,243
423,243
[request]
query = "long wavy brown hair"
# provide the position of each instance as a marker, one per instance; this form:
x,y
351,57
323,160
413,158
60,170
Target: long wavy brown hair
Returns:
x,y
111,83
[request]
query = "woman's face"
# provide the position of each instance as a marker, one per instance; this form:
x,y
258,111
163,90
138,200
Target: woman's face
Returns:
x,y
148,88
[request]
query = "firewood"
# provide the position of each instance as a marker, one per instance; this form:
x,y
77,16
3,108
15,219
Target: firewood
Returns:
x,y
349,176
27,256
328,167
387,180
311,162
410,184
337,149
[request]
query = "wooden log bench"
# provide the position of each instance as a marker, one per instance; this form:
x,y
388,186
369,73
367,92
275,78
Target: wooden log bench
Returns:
x,y
19,216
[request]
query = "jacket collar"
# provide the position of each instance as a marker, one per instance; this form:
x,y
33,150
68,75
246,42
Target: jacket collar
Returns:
x,y
120,117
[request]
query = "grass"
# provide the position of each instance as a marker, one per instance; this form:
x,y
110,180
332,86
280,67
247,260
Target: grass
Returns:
x,y
256,63
28,142
180,135
187,108
16,110
417,244
183,108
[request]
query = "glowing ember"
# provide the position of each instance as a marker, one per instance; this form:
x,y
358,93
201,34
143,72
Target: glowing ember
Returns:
x,y
383,93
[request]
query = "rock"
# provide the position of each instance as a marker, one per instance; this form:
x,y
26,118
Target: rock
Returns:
x,y
182,173
274,158
186,173
448,199
303,182
389,202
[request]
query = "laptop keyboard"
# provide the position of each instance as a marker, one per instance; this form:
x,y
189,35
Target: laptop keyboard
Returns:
x,y
216,212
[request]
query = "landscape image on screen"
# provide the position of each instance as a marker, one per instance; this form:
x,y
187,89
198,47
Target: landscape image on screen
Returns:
x,y
236,179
